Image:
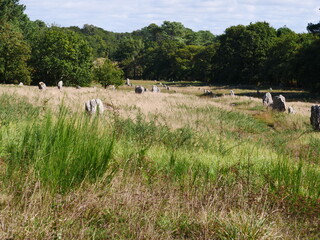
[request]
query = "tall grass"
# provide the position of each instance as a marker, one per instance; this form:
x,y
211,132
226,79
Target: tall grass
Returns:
x,y
62,151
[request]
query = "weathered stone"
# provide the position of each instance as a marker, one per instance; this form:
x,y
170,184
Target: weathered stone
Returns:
x,y
232,93
60,84
21,84
155,89
139,89
315,117
279,103
290,110
78,87
94,105
267,99
128,82
42,86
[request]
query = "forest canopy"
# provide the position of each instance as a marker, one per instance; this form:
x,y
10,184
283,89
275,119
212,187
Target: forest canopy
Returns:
x,y
256,54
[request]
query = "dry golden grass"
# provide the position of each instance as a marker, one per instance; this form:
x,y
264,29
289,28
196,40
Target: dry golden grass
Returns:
x,y
166,104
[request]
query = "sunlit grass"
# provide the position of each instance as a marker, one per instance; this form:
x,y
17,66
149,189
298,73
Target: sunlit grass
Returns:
x,y
156,168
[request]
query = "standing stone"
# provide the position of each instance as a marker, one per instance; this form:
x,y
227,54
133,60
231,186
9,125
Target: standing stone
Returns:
x,y
267,99
128,82
155,89
315,117
279,103
139,89
42,86
21,84
290,110
60,84
232,93
93,105
78,87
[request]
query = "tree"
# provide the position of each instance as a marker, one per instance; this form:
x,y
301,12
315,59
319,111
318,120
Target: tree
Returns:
x,y
61,54
243,51
14,54
11,11
204,63
314,28
184,62
279,67
308,66
107,73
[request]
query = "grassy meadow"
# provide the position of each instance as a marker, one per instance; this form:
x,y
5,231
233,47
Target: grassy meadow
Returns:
x,y
170,165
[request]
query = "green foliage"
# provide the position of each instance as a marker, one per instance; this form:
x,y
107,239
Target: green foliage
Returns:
x,y
11,11
279,67
60,54
314,28
63,152
243,52
108,73
308,66
14,54
14,110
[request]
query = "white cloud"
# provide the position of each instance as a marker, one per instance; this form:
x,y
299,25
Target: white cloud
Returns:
x,y
213,15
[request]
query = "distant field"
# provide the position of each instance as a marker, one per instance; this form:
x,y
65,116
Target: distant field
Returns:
x,y
172,165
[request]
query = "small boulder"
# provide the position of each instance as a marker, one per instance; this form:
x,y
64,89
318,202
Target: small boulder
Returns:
x,y
232,93
290,110
94,105
155,89
139,89
128,82
42,86
279,103
315,117
20,84
60,84
267,99
78,87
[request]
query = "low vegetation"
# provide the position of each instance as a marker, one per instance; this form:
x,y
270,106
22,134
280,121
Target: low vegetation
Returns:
x,y
159,166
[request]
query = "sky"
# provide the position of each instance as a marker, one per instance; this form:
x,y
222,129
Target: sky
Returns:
x,y
214,15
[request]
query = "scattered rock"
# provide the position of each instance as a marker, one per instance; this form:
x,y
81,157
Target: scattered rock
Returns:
x,y
94,105
267,99
78,87
139,89
42,86
279,103
60,84
155,89
20,84
315,117
290,110
112,87
128,82
232,93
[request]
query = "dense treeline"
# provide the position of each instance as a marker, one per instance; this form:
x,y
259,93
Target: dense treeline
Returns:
x,y
256,54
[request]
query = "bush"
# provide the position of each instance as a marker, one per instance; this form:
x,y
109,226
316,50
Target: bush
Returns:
x,y
108,73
